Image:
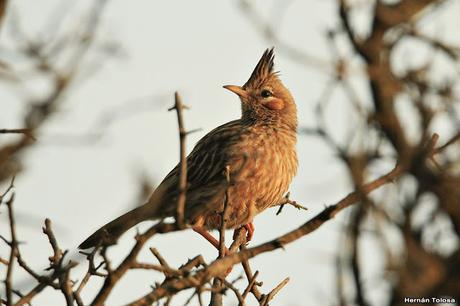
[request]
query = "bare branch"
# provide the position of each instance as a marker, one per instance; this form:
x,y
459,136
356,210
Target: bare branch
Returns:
x,y
267,298
179,107
13,252
27,132
224,214
219,266
287,200
451,141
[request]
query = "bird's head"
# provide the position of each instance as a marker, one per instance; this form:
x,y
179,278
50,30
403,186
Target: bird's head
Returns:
x,y
264,97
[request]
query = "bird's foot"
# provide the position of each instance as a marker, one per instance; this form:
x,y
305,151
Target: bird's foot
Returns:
x,y
250,228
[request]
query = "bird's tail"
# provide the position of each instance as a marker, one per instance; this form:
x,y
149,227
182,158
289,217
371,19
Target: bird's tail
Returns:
x,y
109,233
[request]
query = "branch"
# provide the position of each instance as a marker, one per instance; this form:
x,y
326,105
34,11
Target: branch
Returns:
x,y
129,261
267,298
354,234
13,252
451,141
60,272
40,110
216,296
287,200
219,266
179,106
27,132
45,282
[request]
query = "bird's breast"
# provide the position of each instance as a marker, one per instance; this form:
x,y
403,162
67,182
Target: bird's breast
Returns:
x,y
262,167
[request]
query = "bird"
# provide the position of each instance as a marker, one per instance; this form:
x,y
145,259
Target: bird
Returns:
x,y
259,150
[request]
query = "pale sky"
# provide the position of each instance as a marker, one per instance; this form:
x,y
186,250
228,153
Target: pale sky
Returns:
x,y
194,47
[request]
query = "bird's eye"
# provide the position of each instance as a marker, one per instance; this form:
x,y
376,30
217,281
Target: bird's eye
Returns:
x,y
266,93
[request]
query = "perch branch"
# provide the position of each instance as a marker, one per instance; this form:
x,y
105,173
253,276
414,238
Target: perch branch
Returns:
x,y
219,266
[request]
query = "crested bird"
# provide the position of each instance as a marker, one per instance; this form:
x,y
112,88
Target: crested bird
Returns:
x,y
259,149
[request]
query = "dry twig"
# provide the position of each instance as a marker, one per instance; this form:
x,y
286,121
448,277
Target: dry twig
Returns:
x,y
179,107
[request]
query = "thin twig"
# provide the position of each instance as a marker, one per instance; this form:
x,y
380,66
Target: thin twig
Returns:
x,y
10,187
454,139
251,284
167,270
249,275
267,298
26,132
13,252
237,293
286,200
354,234
216,295
179,107
57,252
224,214
192,263
92,271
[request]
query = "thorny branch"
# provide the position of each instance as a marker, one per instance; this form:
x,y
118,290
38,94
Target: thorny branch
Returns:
x,y
385,130
59,269
287,201
194,274
13,250
179,107
414,159
216,296
221,265
43,56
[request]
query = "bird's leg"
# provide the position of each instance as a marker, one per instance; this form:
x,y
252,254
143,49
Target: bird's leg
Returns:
x,y
250,228
214,242
206,235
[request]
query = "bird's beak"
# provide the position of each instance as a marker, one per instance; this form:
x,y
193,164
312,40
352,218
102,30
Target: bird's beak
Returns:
x,y
238,90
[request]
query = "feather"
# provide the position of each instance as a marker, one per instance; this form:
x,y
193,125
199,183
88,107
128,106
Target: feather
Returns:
x,y
263,69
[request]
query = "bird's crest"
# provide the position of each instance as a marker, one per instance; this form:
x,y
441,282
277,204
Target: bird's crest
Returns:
x,y
263,70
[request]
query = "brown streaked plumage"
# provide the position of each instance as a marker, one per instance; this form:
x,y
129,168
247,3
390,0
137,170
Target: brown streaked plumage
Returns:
x,y
260,149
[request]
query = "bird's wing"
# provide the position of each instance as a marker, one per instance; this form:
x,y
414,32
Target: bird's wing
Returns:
x,y
205,171
205,181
